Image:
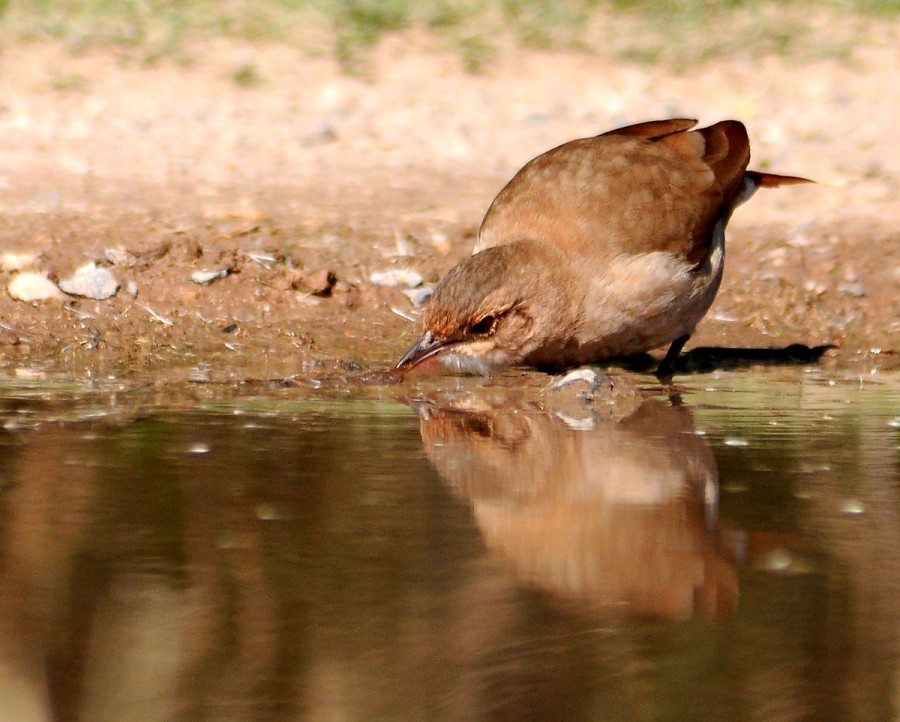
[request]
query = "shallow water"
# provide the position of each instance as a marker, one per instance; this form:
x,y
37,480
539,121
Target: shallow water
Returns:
x,y
726,552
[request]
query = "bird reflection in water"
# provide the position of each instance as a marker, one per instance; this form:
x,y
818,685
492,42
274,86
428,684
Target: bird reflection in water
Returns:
x,y
611,515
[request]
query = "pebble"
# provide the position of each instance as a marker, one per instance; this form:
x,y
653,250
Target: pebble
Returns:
x,y
17,261
122,257
419,296
204,278
31,287
396,278
585,375
91,281
569,394
119,257
318,283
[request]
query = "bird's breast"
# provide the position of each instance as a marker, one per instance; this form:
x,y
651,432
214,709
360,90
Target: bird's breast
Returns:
x,y
637,303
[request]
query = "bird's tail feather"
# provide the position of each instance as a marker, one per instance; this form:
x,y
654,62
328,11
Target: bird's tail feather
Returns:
x,y
770,180
754,179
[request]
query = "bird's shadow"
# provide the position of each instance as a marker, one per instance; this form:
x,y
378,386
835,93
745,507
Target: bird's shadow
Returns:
x,y
705,359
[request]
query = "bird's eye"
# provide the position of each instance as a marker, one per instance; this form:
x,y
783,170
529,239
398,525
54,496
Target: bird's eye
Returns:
x,y
484,326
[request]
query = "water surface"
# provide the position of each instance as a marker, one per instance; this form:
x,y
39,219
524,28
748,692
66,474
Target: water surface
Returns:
x,y
726,552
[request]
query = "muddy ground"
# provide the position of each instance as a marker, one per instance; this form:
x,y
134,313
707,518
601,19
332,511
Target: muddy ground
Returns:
x,y
304,184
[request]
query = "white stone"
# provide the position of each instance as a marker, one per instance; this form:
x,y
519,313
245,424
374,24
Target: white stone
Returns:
x,y
585,375
91,282
396,278
206,277
17,261
31,287
418,296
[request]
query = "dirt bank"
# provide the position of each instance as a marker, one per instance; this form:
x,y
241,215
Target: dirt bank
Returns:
x,y
299,188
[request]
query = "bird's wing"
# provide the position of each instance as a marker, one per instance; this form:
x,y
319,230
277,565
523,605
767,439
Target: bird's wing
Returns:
x,y
651,187
654,129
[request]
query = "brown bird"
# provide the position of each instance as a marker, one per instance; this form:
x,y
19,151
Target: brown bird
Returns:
x,y
600,248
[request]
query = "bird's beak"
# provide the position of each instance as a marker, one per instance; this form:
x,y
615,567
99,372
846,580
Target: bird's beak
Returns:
x,y
421,350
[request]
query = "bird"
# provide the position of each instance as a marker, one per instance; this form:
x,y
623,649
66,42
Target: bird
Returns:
x,y
603,247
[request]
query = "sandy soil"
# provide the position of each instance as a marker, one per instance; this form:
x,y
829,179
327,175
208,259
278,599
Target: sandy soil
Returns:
x,y
160,172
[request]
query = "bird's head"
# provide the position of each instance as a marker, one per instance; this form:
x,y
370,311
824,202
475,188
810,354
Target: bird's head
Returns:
x,y
490,311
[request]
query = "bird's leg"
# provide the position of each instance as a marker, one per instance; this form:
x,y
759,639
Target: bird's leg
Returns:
x,y
667,366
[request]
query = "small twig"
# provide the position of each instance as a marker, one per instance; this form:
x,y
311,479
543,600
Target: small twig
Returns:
x,y
162,319
78,312
403,314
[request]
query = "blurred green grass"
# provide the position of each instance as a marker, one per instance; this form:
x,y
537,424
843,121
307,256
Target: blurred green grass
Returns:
x,y
679,31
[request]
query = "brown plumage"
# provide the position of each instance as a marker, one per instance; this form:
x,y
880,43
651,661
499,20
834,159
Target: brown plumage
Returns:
x,y
601,247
